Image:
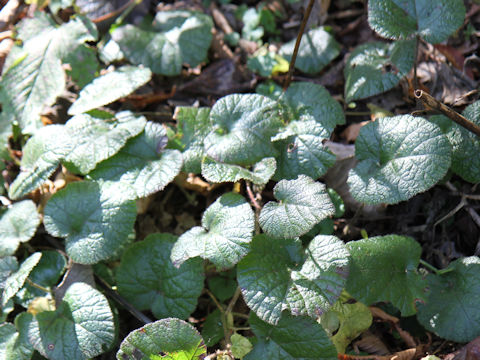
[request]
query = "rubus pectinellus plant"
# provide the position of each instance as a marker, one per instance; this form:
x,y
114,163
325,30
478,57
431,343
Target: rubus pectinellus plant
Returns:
x,y
307,292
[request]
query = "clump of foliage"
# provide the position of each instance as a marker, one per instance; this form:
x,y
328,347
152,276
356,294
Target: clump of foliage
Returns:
x,y
296,279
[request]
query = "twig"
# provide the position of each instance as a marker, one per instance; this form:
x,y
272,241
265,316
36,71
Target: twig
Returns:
x,y
288,80
461,120
8,13
119,299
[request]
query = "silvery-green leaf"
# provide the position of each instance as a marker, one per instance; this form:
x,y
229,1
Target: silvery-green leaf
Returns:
x,y
14,345
377,67
225,234
243,126
110,87
278,274
175,38
317,49
302,204
399,157
434,21
148,279
94,218
17,224
218,172
143,163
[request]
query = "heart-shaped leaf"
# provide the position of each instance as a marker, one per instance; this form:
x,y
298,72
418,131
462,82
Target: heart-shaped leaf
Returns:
x,y
384,268
223,238
34,81
453,300
294,337
464,143
277,274
143,163
147,278
244,124
218,172
17,224
302,204
175,38
82,326
15,281
400,157
193,125
174,338
377,67
317,49
110,87
95,218
94,139
434,21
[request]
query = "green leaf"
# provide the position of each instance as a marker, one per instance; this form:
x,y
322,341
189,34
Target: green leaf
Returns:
x,y
95,218
218,172
302,204
384,268
244,124
293,338
147,278
377,67
41,156
8,265
399,157
143,163
13,345
223,285
82,327
316,50
95,139
175,38
46,274
464,143
16,280
84,65
346,320
110,87
451,310
36,81
277,274
223,238
312,115
241,346
434,21
193,125
212,330
17,224
173,337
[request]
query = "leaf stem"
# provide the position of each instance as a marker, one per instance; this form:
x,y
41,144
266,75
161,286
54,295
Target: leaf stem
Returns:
x,y
233,301
217,303
461,120
39,287
291,68
434,269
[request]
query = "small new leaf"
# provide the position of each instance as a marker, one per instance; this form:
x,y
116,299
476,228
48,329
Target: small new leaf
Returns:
x,y
223,238
384,268
399,157
302,204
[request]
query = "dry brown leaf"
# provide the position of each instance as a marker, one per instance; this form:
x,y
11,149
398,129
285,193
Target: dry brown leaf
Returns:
x,y
194,183
351,132
379,313
372,344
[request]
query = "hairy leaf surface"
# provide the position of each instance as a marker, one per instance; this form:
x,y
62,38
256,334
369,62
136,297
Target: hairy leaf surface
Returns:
x,y
218,172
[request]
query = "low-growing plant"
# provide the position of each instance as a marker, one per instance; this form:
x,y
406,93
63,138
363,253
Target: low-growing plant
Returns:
x,y
306,291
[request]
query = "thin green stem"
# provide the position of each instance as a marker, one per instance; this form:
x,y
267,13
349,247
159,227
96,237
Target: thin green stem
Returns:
x,y
434,269
39,287
217,303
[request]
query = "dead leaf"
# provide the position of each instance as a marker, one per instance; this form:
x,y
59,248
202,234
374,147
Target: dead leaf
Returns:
x,y
471,351
380,314
351,132
372,344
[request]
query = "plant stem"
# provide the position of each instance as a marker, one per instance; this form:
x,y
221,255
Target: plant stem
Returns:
x,y
434,269
232,302
297,44
39,287
217,303
461,120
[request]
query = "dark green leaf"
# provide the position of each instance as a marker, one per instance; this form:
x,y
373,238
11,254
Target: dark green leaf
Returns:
x,y
223,238
293,338
212,330
13,345
451,309
278,274
434,21
399,157
384,268
17,224
84,65
147,278
95,218
169,336
302,204
143,163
